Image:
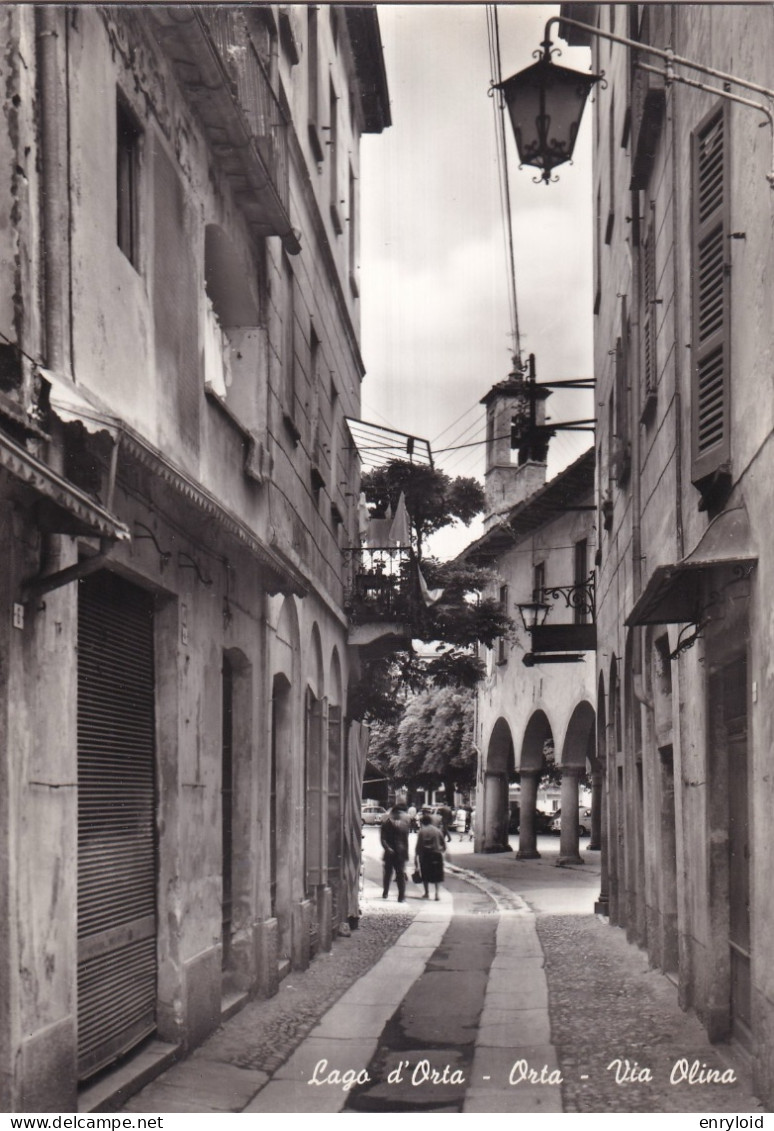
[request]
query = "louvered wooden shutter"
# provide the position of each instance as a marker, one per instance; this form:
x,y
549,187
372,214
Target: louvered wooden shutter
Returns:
x,y
711,375
335,810
649,320
314,791
116,820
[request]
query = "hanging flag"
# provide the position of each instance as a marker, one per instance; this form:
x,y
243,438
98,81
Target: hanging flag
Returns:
x,y
363,515
399,531
429,596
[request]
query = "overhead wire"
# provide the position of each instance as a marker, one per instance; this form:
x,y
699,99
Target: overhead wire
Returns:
x,y
453,424
493,36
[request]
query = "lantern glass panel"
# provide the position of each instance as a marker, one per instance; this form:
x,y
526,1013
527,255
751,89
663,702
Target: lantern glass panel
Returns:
x,y
545,103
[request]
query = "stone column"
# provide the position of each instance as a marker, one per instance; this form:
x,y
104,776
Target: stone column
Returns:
x,y
568,844
496,812
597,801
527,834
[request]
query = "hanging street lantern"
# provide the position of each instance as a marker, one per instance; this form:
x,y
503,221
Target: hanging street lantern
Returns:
x,y
545,103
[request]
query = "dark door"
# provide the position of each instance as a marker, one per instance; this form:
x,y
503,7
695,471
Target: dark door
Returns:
x,y
227,808
735,711
116,821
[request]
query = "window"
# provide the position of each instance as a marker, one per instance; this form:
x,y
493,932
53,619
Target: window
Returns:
x,y
353,233
289,360
580,578
611,148
128,135
620,455
710,448
538,581
502,647
598,252
313,81
333,142
649,320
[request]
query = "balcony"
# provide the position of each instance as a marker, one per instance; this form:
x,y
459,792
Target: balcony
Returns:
x,y
217,63
381,595
564,640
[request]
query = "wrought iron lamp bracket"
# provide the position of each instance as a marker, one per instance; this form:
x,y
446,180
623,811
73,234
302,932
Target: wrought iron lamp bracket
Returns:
x,y
580,597
670,75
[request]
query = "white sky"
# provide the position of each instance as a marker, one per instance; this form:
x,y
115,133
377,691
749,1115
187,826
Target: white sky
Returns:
x,y
435,314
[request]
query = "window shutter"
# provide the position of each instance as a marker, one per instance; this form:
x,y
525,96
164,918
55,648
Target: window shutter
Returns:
x,y
649,322
711,297
315,870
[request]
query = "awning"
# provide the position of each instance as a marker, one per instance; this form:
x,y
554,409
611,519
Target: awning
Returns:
x,y
70,406
673,593
68,510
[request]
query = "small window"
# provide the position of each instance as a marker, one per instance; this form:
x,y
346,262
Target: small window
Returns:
x,y
333,142
313,80
128,136
538,581
581,607
289,359
502,647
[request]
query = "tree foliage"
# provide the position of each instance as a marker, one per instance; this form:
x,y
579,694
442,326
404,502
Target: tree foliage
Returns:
x,y
432,745
433,499
455,624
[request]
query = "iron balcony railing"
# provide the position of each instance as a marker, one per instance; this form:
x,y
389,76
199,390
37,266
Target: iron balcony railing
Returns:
x,y
381,584
252,89
570,636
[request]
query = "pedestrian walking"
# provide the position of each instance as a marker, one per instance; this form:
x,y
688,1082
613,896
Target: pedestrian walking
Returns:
x,y
429,850
395,842
447,821
468,821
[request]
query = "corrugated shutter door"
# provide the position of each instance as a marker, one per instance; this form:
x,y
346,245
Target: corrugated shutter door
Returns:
x,y
116,821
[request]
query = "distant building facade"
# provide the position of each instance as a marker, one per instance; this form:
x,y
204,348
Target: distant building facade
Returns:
x,y
179,323
683,346
535,707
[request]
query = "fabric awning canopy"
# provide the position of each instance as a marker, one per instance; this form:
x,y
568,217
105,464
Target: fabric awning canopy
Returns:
x,y
673,593
69,405
68,509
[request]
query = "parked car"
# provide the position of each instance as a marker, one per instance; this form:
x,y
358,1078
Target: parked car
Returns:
x,y
584,822
543,821
372,814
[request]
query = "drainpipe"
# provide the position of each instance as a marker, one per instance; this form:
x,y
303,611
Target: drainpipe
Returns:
x,y
54,140
677,284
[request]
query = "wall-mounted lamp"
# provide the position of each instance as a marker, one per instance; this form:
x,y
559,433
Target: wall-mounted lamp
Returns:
x,y
533,614
545,101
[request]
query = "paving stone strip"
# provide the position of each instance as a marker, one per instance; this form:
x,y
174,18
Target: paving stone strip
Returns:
x,y
424,1056
619,1032
263,1035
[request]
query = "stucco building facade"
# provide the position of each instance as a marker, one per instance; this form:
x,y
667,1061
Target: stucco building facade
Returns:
x,y
683,347
179,323
535,707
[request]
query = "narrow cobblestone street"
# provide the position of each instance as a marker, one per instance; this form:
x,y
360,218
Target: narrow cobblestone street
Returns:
x,y
507,996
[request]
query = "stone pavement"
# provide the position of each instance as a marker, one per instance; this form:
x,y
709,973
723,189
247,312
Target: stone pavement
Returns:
x,y
507,996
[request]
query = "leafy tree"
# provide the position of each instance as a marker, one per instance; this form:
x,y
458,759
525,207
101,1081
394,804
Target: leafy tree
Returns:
x,y
458,621
434,741
433,500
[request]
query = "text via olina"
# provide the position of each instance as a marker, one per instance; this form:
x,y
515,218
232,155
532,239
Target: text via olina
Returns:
x,y
422,1072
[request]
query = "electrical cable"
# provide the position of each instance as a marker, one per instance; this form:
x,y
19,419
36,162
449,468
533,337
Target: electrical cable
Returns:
x,y
493,34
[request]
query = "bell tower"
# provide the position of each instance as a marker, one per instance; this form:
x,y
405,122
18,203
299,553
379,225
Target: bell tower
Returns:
x,y
517,439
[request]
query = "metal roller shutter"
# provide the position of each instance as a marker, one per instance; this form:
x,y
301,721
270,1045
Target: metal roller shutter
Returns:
x,y
116,821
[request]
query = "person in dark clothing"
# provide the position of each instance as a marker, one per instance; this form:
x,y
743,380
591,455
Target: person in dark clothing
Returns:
x,y
430,848
447,820
394,837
